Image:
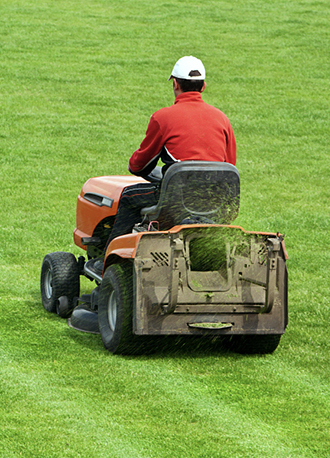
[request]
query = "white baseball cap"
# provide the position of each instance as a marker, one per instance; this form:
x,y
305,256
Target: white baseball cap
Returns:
x,y
188,68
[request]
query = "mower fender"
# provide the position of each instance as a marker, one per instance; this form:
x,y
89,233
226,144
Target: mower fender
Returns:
x,y
121,248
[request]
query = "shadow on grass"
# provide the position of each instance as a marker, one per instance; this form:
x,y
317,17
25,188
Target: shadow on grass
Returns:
x,y
151,346
186,346
156,346
160,347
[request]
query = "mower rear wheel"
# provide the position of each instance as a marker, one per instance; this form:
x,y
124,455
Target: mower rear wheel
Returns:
x,y
59,277
253,344
115,309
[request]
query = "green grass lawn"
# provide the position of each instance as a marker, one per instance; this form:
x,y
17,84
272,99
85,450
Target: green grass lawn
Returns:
x,y
78,83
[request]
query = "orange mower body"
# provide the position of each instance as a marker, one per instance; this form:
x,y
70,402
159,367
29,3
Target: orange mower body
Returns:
x,y
203,278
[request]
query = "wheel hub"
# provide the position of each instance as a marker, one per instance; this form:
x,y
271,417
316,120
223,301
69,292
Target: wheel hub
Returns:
x,y
49,284
112,311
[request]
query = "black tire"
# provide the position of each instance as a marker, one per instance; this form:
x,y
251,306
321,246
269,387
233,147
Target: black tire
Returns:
x,y
253,344
115,309
65,306
59,277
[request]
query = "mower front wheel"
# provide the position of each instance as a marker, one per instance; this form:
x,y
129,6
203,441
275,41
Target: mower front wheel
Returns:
x,y
115,309
59,277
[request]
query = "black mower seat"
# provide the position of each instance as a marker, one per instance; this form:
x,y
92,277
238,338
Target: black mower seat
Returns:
x,y
196,191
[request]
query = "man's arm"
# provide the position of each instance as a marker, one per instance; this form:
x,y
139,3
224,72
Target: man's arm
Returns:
x,y
231,146
145,159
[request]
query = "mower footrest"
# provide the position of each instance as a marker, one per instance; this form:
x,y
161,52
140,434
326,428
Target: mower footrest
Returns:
x,y
90,241
93,269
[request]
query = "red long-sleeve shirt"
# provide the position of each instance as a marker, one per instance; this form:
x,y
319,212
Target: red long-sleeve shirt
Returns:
x,y
188,130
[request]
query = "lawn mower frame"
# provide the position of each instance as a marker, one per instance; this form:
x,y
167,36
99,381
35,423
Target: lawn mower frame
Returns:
x,y
166,278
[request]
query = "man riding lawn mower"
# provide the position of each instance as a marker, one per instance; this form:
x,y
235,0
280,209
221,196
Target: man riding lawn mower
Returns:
x,y
160,248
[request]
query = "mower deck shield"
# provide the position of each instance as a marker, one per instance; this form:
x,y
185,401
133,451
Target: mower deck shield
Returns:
x,y
209,274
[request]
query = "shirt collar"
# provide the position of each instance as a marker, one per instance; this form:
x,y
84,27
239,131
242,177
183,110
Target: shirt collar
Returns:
x,y
188,96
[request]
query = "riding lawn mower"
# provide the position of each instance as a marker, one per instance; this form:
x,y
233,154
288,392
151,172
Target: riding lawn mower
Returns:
x,y
183,271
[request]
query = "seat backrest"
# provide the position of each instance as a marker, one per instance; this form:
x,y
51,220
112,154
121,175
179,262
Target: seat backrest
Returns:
x,y
197,190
